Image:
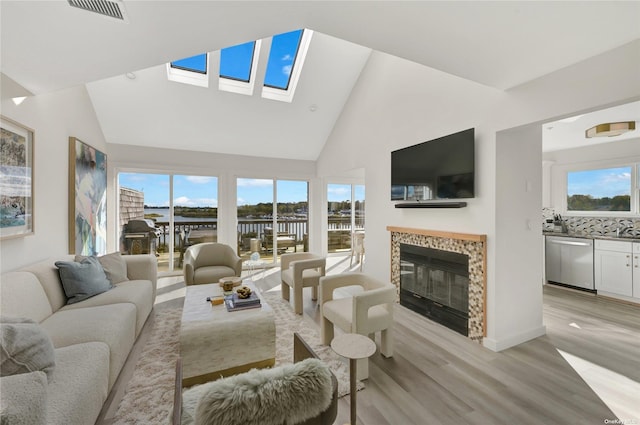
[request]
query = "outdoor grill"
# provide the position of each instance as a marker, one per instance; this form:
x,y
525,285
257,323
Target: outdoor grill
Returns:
x,y
140,236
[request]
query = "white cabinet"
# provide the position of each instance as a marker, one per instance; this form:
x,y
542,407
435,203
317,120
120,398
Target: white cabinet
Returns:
x,y
636,269
617,267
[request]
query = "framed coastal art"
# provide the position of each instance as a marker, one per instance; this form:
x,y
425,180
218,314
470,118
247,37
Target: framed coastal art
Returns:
x,y
16,179
87,199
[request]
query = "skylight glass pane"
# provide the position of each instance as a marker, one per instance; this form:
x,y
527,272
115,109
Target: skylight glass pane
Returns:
x,y
235,61
196,63
282,58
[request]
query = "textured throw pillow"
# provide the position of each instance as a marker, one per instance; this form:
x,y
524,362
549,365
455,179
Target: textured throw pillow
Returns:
x,y
24,347
23,399
82,280
285,394
114,266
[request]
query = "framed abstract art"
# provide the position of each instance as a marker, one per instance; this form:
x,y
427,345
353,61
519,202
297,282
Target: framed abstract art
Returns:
x,y
87,199
16,179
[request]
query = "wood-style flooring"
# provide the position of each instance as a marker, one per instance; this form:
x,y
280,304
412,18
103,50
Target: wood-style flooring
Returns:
x,y
437,376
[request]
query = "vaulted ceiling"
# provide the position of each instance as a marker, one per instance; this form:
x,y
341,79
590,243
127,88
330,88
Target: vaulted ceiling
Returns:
x,y
49,45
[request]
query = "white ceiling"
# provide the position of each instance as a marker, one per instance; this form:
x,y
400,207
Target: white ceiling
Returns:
x,y
48,45
569,132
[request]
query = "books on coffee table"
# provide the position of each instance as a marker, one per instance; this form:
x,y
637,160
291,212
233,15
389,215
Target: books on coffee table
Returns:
x,y
233,302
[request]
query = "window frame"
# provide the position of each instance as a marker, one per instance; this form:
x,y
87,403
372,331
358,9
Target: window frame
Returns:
x,y
282,95
634,164
239,86
182,75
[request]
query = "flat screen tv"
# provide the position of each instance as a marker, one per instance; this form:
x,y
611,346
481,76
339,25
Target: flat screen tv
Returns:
x,y
441,168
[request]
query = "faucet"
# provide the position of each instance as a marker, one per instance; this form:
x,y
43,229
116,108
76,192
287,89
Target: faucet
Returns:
x,y
621,230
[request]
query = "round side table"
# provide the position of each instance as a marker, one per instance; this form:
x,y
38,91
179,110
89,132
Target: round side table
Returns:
x,y
254,265
353,347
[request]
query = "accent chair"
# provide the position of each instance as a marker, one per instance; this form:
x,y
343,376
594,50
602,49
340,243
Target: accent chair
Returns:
x,y
368,311
301,270
209,262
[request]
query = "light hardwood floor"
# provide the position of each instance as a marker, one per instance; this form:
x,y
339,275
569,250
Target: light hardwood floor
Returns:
x,y
437,376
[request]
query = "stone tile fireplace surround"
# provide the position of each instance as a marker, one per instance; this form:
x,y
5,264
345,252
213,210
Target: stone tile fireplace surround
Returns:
x,y
475,246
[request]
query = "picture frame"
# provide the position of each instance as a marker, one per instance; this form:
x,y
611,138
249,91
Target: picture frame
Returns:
x,y
16,179
87,199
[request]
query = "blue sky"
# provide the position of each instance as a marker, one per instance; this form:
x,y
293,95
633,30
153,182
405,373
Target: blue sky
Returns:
x,y
607,182
202,191
235,61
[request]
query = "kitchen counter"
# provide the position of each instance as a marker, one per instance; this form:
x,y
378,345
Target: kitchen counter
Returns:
x,y
624,238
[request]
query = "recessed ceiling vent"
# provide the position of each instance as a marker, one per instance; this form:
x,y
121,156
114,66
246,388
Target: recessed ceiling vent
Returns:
x,y
113,9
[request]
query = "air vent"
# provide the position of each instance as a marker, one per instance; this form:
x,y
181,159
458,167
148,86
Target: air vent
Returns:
x,y
113,9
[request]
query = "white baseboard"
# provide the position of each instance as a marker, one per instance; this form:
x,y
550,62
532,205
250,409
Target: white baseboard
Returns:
x,y
513,340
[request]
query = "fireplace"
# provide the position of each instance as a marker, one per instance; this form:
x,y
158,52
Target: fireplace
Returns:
x,y
435,283
471,246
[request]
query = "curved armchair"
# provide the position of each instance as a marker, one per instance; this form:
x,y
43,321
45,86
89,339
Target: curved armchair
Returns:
x,y
209,262
370,310
301,270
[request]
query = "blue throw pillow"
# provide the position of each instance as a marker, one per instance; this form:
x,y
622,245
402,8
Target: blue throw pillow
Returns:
x,y
82,280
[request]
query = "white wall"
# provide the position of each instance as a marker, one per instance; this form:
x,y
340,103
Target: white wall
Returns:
x,y
226,167
54,117
397,103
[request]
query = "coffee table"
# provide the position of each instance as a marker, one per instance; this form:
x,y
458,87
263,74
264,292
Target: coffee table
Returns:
x,y
215,342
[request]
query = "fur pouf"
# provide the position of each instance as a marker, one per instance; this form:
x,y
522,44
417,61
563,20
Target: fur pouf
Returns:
x,y
285,394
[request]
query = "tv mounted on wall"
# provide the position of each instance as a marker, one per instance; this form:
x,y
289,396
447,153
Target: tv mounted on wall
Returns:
x,y
442,168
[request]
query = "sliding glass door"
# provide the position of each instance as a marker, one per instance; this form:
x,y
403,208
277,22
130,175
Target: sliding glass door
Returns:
x,y
164,214
345,215
270,231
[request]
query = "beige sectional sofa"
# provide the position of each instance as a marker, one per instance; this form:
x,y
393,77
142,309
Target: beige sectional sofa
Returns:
x,y
91,339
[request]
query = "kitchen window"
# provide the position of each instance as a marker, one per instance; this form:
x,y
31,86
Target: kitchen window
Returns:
x,y
612,190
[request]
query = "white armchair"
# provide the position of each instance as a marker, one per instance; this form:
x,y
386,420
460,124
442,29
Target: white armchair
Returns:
x,y
209,262
301,270
370,310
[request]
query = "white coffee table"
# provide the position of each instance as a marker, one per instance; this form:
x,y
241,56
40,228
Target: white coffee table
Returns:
x,y
215,342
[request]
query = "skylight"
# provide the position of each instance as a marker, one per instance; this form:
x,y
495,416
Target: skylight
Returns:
x,y
197,63
238,65
235,61
282,57
286,58
191,70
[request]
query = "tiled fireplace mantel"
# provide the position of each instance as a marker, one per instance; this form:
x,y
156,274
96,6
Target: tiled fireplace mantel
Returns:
x,y
475,246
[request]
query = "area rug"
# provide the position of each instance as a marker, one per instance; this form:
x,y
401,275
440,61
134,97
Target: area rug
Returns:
x,y
148,397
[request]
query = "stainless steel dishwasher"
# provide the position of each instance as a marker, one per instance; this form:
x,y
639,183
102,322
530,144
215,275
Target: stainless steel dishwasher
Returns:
x,y
569,261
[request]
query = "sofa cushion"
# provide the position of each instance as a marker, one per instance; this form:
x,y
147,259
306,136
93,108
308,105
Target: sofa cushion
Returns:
x,y
49,277
112,324
24,347
22,295
80,384
285,394
23,399
114,266
138,292
82,280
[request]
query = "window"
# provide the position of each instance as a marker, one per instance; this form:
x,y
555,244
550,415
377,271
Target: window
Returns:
x,y
238,65
196,63
345,215
183,208
286,58
191,70
598,190
282,57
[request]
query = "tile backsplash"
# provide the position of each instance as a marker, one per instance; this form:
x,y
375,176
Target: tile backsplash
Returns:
x,y
598,226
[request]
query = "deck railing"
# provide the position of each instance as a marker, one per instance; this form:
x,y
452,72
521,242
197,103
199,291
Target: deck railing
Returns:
x,y
254,228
